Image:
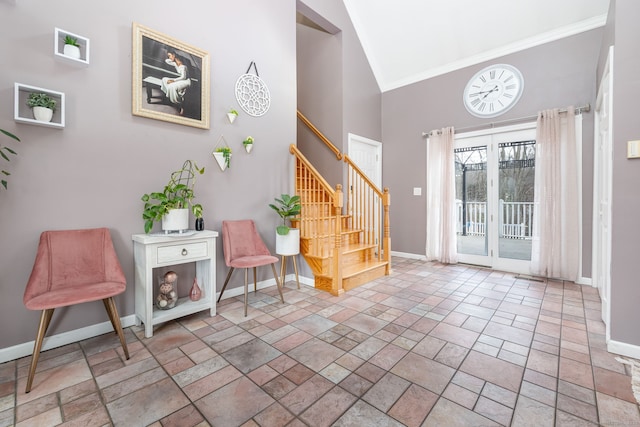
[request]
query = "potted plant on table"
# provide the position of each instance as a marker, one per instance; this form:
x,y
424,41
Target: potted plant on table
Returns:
x,y
171,206
42,105
287,238
71,47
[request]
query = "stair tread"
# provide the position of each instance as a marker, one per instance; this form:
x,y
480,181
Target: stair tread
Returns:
x,y
360,267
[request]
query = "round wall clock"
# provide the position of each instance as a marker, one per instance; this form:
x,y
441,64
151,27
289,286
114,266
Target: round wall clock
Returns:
x,y
493,90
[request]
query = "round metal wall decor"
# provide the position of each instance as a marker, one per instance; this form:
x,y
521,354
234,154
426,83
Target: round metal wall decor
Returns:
x,y
252,93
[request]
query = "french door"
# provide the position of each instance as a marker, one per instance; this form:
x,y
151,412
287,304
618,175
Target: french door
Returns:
x,y
495,185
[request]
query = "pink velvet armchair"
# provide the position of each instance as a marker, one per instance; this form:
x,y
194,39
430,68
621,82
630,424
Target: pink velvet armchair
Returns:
x,y
72,267
243,248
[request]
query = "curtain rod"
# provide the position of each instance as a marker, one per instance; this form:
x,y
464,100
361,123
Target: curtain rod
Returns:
x,y
584,109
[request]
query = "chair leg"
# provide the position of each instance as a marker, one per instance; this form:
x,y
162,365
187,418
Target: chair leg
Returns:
x,y
112,311
278,285
45,319
255,281
246,290
225,282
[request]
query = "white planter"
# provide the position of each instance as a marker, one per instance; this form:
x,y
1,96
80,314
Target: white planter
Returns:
x,y
71,51
220,159
248,147
42,114
176,220
289,244
231,117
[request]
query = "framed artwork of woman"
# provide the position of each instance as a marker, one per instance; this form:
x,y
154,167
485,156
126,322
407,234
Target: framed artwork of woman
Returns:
x,y
170,79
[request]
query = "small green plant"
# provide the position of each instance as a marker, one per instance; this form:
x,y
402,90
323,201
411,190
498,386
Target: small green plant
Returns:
x,y
38,99
286,207
248,140
4,153
233,111
177,194
226,154
73,41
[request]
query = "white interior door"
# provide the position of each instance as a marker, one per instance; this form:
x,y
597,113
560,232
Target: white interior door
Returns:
x,y
601,274
367,155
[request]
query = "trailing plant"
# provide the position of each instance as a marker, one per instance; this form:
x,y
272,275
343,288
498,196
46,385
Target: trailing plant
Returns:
x,y
177,194
248,140
73,41
4,153
233,111
286,207
41,100
226,154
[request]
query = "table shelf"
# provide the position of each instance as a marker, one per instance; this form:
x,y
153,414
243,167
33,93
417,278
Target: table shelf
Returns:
x,y
153,251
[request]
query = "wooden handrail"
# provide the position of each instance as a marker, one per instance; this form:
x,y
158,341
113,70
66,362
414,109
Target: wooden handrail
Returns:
x,y
294,150
319,134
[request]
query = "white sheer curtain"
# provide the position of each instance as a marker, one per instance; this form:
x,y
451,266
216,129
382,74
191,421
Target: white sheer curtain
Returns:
x,y
441,224
557,211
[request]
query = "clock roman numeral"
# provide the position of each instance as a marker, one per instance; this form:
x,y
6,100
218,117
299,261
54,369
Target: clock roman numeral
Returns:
x,y
482,106
511,87
475,102
492,74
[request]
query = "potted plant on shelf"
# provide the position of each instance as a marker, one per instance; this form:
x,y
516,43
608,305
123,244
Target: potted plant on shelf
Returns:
x,y
248,143
42,105
4,152
71,47
223,157
287,239
232,115
171,206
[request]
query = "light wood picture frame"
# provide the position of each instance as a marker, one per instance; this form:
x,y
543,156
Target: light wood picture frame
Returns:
x,y
170,79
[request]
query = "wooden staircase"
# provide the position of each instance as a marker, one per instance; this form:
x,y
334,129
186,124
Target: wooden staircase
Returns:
x,y
343,249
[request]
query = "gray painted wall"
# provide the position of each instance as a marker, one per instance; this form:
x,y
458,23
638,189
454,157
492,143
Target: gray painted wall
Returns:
x,y
556,74
625,233
93,172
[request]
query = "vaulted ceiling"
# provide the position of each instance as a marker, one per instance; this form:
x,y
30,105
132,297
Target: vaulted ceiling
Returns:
x,y
411,40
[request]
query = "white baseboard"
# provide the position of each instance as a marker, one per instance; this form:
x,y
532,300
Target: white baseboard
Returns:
x,y
54,341
409,255
624,349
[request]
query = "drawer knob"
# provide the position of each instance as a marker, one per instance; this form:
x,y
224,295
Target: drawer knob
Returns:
x,y
184,252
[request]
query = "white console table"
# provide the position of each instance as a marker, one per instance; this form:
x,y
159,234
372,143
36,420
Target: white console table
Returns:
x,y
157,250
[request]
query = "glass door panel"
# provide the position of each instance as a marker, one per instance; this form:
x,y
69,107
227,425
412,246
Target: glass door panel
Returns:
x,y
516,167
471,200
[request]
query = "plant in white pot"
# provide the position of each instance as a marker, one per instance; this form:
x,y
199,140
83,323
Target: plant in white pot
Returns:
x,y
71,47
171,206
42,105
287,239
248,144
232,115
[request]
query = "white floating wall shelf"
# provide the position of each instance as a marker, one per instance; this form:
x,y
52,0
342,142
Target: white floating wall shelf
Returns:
x,y
59,47
24,114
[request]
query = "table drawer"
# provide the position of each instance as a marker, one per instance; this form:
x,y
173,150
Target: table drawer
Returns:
x,y
182,252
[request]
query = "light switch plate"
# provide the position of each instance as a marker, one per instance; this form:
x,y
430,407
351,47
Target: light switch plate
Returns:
x,y
417,191
633,149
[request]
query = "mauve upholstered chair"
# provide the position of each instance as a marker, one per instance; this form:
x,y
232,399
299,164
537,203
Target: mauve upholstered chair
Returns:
x,y
243,248
72,267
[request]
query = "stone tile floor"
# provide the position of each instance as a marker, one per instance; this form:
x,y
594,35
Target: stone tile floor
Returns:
x,y
429,345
